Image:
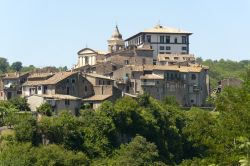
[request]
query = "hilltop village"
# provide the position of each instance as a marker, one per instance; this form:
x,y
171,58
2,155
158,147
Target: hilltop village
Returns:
x,y
156,61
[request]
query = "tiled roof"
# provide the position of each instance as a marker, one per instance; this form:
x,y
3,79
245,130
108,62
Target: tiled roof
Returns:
x,y
191,68
98,76
57,77
162,29
60,96
97,98
40,75
13,75
184,69
151,77
33,83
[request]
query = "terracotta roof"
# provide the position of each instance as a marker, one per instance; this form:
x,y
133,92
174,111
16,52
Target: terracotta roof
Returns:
x,y
58,77
58,97
98,76
33,83
13,75
191,68
40,75
184,69
162,29
151,77
97,98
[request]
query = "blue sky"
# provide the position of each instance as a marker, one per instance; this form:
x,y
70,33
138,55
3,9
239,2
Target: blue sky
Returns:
x,y
50,32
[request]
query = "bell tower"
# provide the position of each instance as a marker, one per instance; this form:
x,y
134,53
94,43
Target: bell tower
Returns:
x,y
116,43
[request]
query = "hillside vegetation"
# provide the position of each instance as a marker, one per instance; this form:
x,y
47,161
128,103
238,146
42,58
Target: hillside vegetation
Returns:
x,y
130,133
222,69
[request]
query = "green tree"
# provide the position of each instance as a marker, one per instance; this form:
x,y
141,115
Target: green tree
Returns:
x,y
4,64
138,152
26,129
16,66
45,109
99,132
20,104
63,129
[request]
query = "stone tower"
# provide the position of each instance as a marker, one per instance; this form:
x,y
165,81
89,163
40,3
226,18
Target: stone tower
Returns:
x,y
116,42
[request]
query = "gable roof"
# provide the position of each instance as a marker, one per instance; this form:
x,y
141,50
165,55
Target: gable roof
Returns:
x,y
98,76
97,98
57,77
14,75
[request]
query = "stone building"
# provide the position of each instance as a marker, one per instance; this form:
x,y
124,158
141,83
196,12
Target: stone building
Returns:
x,y
131,56
164,40
175,59
57,101
11,85
104,89
66,83
188,84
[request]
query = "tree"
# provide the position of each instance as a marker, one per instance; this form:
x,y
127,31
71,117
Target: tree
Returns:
x,y
28,68
17,66
138,152
4,64
63,129
26,129
20,104
99,131
45,109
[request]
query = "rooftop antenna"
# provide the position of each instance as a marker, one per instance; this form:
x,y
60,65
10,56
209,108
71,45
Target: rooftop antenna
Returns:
x,y
86,45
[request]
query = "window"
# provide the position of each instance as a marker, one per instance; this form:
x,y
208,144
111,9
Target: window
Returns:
x,y
161,52
39,88
166,58
149,38
184,39
100,83
73,80
143,61
68,80
168,48
67,102
193,77
168,52
126,62
176,58
86,88
157,82
161,39
175,40
167,39
184,48
161,47
108,83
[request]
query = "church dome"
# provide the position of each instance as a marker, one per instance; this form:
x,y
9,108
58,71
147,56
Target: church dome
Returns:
x,y
116,34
